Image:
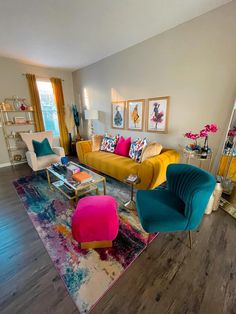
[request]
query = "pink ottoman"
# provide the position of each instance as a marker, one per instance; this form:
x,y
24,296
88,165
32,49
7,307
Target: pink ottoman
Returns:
x,y
95,221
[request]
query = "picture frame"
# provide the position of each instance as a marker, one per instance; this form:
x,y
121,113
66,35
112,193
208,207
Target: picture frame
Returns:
x,y
19,120
118,117
157,114
135,114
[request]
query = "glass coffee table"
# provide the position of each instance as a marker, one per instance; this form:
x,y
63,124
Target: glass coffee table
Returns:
x,y
69,187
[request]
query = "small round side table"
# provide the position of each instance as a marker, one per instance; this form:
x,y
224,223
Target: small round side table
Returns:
x,y
188,156
131,203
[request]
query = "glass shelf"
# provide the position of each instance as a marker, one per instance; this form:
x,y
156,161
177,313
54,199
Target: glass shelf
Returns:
x,y
22,161
14,143
18,124
13,149
17,111
16,138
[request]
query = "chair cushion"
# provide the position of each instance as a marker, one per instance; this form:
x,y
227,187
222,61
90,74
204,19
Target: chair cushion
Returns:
x,y
113,165
42,148
160,210
46,161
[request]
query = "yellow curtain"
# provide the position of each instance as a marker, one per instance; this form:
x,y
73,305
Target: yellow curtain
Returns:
x,y
224,164
59,100
35,101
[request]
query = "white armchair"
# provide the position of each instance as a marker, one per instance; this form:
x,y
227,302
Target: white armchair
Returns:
x,y
39,163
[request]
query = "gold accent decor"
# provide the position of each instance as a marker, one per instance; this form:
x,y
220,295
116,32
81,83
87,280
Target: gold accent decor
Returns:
x,y
95,244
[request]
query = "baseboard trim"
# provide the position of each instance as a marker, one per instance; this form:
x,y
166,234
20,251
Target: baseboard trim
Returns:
x,y
5,164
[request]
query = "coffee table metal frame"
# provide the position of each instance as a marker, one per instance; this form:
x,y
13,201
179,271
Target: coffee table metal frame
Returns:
x,y
78,189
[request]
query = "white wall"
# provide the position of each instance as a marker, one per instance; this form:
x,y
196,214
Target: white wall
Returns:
x,y
194,63
12,82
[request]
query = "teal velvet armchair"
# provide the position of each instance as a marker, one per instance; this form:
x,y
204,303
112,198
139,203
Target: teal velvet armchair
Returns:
x,y
181,205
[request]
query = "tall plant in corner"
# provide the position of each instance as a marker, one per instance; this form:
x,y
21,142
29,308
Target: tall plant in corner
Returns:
x,y
76,120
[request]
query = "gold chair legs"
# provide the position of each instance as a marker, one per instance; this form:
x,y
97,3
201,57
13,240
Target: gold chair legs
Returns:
x,y
190,238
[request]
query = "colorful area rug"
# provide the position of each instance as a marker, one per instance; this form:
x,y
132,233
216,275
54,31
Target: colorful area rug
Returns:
x,y
87,274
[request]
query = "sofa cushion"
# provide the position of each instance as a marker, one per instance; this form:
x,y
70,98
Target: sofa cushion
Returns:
x,y
136,149
152,149
96,142
113,165
109,143
123,146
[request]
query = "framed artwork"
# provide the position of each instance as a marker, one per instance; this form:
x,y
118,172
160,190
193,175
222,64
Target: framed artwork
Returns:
x,y
157,114
118,114
135,109
19,120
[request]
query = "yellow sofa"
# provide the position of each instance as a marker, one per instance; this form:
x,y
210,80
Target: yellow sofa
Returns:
x,y
152,171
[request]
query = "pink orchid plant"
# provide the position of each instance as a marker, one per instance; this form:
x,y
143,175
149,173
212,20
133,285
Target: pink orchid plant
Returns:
x,y
208,128
192,136
211,128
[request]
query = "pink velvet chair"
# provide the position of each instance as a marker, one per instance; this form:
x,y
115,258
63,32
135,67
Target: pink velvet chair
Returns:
x,y
95,222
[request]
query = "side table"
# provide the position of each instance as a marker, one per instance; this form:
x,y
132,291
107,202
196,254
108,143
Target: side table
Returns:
x,y
73,147
131,203
187,156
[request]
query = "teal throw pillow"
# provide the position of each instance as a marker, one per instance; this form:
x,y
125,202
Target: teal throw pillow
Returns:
x,y
42,148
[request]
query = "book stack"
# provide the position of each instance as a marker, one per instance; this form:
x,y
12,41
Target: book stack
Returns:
x,y
82,177
72,169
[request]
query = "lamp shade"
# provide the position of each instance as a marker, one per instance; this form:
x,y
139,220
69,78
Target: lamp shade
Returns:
x,y
91,114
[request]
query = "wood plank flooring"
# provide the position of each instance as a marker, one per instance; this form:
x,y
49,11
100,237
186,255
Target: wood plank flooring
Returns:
x,y
167,278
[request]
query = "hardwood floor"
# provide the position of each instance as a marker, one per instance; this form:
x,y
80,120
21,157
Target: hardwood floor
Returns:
x,y
167,278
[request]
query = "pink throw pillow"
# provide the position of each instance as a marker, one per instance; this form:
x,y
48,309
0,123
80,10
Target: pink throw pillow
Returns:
x,y
123,146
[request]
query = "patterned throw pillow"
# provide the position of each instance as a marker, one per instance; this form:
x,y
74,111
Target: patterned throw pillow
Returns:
x,y
109,143
136,149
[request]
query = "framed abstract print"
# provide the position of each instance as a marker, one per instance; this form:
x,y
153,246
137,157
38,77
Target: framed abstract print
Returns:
x,y
118,114
157,114
135,109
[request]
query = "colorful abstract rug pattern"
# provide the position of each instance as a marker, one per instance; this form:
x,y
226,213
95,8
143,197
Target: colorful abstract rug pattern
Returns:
x,y
87,274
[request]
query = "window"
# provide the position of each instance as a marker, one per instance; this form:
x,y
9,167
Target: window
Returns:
x,y
48,107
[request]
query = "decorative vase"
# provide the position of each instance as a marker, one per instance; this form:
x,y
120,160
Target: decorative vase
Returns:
x,y
70,143
217,195
209,207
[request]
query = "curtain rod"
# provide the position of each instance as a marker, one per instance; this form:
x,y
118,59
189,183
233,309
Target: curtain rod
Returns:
x,y
43,77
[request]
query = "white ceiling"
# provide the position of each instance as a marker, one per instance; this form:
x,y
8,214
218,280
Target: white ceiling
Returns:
x,y
74,33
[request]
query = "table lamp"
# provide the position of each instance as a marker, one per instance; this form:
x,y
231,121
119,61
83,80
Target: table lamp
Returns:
x,y
91,114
